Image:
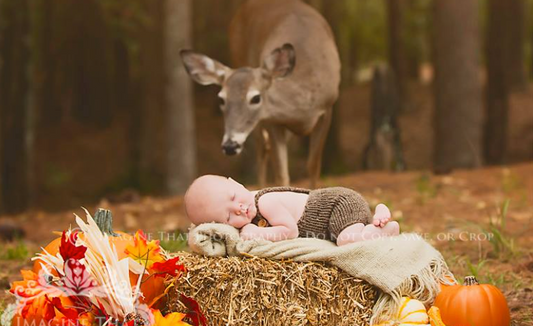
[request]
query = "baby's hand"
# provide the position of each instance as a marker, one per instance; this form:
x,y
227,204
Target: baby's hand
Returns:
x,y
248,231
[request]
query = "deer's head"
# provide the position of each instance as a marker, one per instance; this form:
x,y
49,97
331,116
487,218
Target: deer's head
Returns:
x,y
243,94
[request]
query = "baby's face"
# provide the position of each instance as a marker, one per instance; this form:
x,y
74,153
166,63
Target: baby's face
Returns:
x,y
217,199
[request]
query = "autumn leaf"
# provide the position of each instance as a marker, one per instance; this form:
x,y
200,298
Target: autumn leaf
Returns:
x,y
33,299
28,287
68,248
70,313
172,319
169,267
48,307
194,313
144,252
86,319
34,302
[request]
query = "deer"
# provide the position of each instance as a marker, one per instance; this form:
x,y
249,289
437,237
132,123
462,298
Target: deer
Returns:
x,y
384,149
287,82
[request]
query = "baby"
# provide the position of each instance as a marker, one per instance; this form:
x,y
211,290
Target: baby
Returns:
x,y
280,213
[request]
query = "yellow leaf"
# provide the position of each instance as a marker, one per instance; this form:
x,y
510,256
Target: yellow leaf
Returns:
x,y
144,252
172,319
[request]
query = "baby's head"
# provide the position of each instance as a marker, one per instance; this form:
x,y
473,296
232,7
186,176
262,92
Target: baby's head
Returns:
x,y
213,198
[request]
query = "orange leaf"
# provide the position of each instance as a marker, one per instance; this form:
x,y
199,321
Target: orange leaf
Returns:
x,y
172,319
145,252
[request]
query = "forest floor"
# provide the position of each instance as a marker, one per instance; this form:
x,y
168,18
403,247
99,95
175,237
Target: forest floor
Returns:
x,y
481,220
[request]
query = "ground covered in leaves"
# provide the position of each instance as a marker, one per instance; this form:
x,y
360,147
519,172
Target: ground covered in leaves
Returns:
x,y
481,220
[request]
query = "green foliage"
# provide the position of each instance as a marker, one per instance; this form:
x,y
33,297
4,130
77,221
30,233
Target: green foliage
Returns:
x,y
361,32
56,177
425,188
417,35
175,242
503,245
511,182
18,251
496,279
2,308
474,269
125,18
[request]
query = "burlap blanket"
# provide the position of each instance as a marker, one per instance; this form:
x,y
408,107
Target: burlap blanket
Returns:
x,y
404,265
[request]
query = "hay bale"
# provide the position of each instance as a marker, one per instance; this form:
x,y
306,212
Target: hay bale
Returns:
x,y
257,291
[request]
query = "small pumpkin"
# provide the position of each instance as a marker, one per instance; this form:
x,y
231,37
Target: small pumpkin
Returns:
x,y
411,312
434,317
151,288
473,304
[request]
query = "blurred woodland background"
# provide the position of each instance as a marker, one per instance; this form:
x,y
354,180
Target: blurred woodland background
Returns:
x,y
94,101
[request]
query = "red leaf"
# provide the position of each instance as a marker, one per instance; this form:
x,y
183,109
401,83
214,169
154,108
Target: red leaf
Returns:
x,y
49,311
194,313
70,313
169,267
104,314
68,248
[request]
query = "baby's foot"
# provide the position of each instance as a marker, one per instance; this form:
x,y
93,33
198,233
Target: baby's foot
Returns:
x,y
371,232
382,216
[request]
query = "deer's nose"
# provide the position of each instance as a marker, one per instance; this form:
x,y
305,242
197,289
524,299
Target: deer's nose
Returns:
x,y
231,147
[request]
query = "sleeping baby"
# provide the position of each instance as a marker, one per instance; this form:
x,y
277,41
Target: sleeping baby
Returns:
x,y
280,213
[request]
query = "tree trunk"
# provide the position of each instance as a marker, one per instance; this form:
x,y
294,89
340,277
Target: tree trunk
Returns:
x,y
2,109
458,108
515,26
397,54
14,105
34,92
92,89
148,127
332,158
181,156
495,137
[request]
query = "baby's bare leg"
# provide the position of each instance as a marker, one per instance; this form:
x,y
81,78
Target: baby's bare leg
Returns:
x,y
360,232
371,231
351,234
381,226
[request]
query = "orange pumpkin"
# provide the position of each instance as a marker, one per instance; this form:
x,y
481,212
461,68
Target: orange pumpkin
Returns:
x,y
37,303
444,285
151,288
473,304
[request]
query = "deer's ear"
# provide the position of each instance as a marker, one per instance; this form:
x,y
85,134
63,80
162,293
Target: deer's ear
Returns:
x,y
281,61
203,69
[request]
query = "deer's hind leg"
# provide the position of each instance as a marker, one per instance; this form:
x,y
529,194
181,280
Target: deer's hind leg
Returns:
x,y
316,147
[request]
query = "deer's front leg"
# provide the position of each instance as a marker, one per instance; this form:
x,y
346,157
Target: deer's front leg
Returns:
x,y
316,147
263,148
278,138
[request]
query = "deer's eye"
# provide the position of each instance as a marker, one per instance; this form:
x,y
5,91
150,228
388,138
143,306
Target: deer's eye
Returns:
x,y
256,99
221,101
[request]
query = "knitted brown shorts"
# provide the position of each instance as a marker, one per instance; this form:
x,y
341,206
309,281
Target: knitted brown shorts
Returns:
x,y
328,211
